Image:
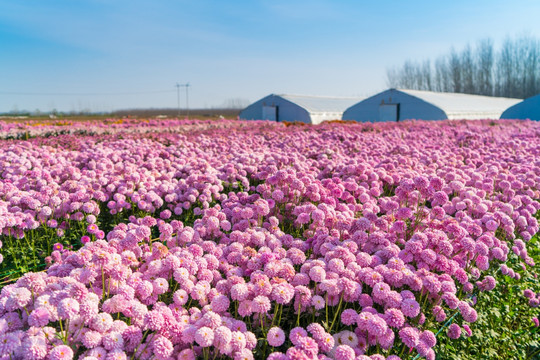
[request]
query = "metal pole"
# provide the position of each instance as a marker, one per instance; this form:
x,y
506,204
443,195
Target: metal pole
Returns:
x,y
178,97
187,100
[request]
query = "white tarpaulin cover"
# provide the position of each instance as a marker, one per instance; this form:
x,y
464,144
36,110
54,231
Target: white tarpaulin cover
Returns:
x,y
465,106
318,104
303,108
403,104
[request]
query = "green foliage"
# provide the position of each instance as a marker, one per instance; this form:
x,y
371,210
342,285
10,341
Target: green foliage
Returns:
x,y
504,329
28,253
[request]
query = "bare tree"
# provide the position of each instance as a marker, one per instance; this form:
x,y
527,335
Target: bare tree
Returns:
x,y
509,69
485,62
454,65
393,77
513,71
409,75
467,70
530,51
442,74
427,75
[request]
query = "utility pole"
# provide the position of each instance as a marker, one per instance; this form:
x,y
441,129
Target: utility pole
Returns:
x,y
178,98
187,97
187,100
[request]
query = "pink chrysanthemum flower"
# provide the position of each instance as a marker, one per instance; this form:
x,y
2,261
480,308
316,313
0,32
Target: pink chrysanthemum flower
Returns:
x,y
244,354
154,320
261,304
222,337
363,319
113,341
317,274
394,318
34,347
163,347
204,336
387,340
422,349
439,313
344,352
409,336
296,353
39,317
454,331
410,307
275,337
117,354
318,302
347,337
220,303
98,353
160,286
376,326
91,339
245,308
186,354
92,228
297,333
239,292
349,316
211,319
428,338
282,293
102,322
68,308
61,352
238,340
365,300
450,299
145,289
316,330
326,342
308,346
180,297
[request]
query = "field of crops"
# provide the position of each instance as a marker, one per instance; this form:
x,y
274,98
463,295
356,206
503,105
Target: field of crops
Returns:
x,y
184,239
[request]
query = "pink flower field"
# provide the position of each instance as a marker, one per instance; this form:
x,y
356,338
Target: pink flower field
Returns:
x,y
184,239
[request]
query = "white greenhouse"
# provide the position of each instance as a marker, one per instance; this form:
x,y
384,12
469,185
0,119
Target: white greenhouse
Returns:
x,y
400,104
527,109
302,108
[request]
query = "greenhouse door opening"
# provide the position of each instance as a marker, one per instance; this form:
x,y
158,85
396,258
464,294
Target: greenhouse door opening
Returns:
x,y
389,112
269,113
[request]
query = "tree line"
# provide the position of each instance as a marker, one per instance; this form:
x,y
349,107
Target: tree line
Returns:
x,y
512,71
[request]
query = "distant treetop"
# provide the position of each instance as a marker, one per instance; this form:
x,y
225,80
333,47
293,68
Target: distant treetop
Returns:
x,y
512,71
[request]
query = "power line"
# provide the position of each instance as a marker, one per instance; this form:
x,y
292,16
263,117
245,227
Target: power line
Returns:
x,y
187,97
84,94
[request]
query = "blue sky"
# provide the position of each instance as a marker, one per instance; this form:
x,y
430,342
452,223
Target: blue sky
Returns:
x,y
103,55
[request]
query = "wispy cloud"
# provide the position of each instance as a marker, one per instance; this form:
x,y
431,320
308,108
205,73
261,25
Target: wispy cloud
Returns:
x,y
302,10
111,27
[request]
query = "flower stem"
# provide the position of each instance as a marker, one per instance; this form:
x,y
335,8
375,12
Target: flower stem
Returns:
x,y
336,313
298,317
103,282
